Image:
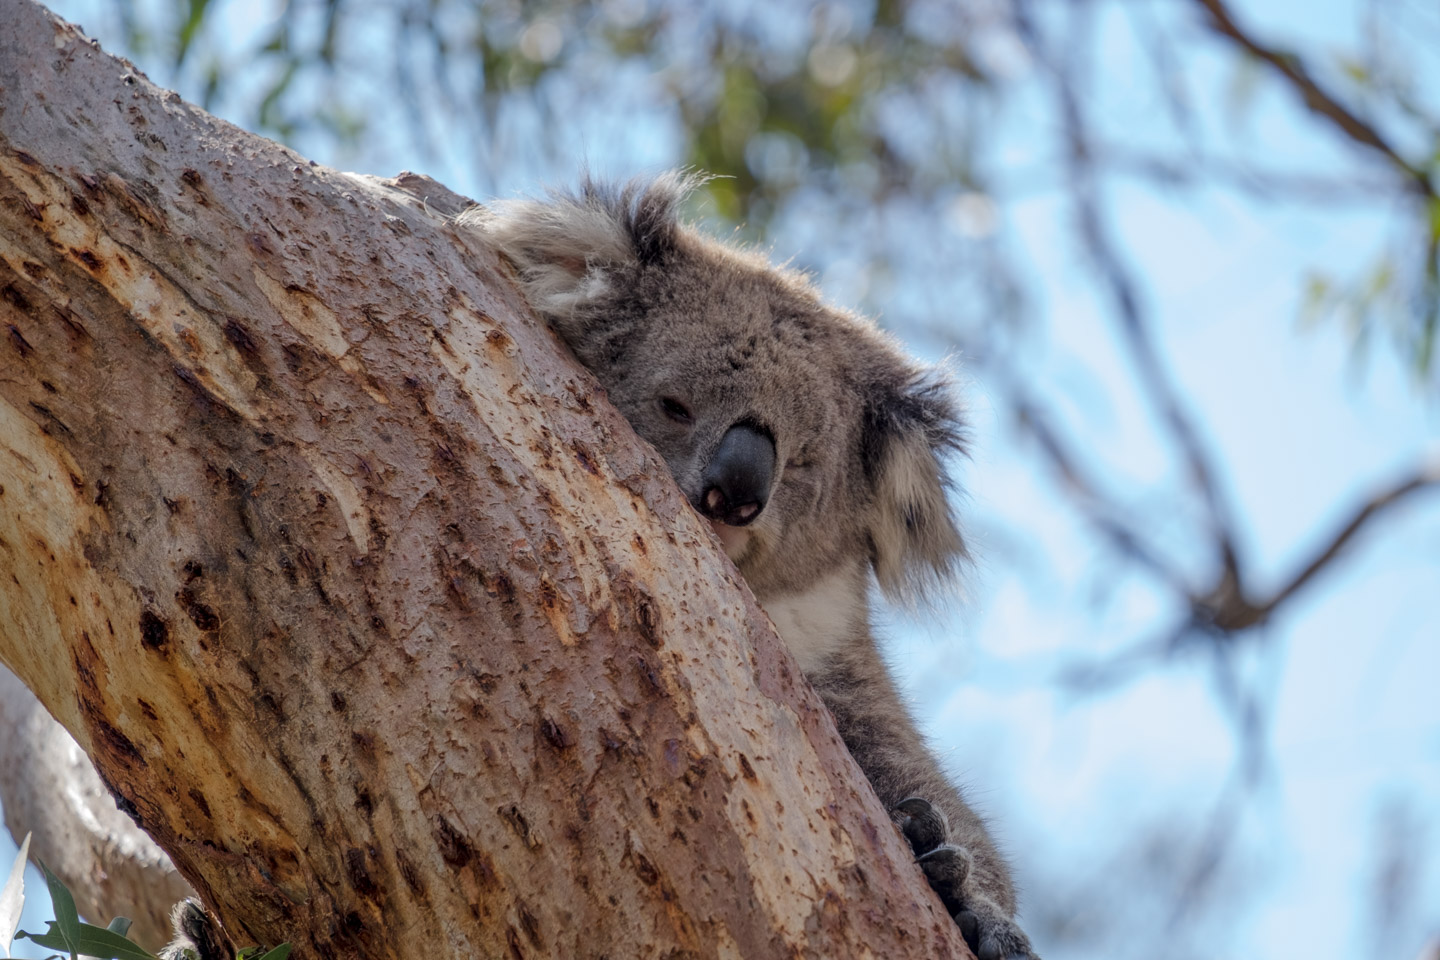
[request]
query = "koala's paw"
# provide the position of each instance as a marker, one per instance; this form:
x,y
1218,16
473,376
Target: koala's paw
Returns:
x,y
988,931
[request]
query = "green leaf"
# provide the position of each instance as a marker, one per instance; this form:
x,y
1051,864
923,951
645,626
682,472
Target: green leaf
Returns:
x,y
279,953
120,925
1355,70
195,17
90,940
1240,96
12,897
1379,281
1317,298
268,115
67,918
1425,349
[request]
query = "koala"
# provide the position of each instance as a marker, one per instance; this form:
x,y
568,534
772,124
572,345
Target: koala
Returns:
x,y
813,445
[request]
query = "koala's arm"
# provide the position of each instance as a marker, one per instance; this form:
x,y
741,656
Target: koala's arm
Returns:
x,y
954,848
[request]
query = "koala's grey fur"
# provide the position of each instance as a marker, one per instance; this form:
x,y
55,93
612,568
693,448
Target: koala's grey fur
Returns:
x,y
670,320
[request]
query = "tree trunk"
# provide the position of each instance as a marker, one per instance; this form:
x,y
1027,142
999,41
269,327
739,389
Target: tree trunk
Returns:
x,y
50,790
365,603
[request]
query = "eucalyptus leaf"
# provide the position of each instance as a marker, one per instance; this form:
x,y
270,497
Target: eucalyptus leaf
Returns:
x,y
92,941
67,918
12,897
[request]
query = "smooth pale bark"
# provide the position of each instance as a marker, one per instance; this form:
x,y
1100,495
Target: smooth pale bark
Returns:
x,y
51,790
364,602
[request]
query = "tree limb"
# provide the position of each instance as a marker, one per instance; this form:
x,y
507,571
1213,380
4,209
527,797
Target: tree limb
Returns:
x,y
364,602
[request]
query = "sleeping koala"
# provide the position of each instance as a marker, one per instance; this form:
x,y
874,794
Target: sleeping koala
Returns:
x,y
813,445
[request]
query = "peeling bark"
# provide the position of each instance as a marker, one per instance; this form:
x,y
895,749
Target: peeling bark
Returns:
x,y
363,601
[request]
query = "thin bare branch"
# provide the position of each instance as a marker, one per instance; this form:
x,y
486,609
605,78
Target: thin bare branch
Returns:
x,y
1101,674
1319,100
1269,184
1097,507
1422,479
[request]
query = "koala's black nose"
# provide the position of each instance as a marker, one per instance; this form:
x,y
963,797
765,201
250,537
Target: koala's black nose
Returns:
x,y
736,483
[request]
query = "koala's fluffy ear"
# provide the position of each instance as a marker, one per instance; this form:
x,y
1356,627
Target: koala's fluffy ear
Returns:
x,y
908,432
567,246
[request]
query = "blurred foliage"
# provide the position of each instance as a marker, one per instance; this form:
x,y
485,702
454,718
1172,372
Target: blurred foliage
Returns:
x,y
859,106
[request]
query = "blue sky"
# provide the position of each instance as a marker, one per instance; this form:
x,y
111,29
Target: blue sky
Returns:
x,y
1349,671
1354,723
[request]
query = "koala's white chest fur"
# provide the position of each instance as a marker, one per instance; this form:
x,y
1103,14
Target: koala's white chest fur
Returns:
x,y
819,623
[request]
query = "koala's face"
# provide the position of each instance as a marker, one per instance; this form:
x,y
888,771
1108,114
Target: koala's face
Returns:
x,y
803,434
740,381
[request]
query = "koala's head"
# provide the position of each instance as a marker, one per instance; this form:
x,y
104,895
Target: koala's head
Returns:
x,y
805,435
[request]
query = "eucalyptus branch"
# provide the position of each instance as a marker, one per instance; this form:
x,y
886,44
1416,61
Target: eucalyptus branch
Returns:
x,y
1317,99
1384,501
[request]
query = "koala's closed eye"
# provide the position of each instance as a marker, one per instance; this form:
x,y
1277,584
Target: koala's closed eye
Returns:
x,y
676,410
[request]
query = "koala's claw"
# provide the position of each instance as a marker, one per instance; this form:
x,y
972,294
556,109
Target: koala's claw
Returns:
x,y
992,936
987,930
946,867
923,824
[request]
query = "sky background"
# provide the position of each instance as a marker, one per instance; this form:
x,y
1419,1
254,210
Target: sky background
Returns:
x,y
1105,797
